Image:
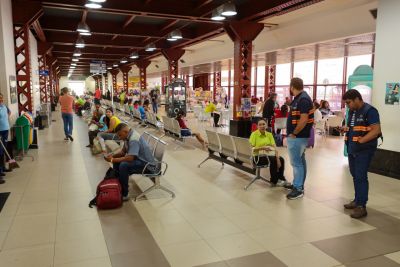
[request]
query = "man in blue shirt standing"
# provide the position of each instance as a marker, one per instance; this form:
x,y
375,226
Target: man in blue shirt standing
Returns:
x,y
299,123
4,128
362,132
133,157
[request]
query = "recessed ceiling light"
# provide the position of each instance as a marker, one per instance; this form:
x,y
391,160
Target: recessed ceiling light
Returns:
x,y
216,15
228,9
93,5
176,34
134,55
83,27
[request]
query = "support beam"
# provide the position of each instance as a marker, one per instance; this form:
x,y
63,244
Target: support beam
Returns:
x,y
216,83
242,34
26,12
125,76
270,72
114,74
39,31
23,68
105,83
43,79
173,56
142,65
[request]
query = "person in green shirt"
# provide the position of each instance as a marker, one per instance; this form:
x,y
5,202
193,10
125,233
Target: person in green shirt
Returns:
x,y
263,142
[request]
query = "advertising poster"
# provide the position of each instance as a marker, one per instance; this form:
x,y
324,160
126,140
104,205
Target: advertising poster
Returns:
x,y
392,93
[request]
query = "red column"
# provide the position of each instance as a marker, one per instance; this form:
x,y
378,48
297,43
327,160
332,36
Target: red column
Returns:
x,y
104,90
187,80
173,56
229,80
125,74
216,82
23,68
270,72
114,74
42,79
255,80
142,65
242,34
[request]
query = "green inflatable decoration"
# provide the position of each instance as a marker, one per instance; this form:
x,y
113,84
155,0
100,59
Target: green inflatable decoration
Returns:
x,y
361,80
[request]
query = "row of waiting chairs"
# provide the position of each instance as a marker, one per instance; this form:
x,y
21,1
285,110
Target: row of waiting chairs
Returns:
x,y
234,151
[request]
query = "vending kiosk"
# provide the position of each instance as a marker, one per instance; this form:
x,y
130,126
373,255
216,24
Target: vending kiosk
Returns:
x,y
175,97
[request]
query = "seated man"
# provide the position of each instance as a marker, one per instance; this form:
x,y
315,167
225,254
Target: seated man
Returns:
x,y
263,143
133,157
185,131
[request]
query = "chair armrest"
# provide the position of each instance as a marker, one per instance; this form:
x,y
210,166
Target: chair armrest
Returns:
x,y
155,163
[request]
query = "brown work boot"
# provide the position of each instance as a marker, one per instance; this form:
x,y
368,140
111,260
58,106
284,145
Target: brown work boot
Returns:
x,y
359,212
351,205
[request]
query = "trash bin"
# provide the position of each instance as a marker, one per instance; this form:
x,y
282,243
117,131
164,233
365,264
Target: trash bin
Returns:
x,y
22,132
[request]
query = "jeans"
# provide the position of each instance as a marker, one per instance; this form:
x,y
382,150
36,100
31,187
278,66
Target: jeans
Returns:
x,y
3,137
68,123
124,169
358,164
155,107
297,149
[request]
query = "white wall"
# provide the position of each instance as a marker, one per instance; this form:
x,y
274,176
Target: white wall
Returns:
x,y
34,73
387,58
7,56
63,82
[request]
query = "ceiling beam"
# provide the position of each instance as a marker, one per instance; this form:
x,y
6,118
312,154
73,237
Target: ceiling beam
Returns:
x,y
163,10
39,31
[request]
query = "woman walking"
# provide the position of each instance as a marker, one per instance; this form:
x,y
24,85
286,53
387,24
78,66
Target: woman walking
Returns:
x,y
67,103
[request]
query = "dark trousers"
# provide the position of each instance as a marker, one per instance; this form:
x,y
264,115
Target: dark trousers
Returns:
x,y
92,135
276,174
3,137
358,165
97,101
216,117
124,169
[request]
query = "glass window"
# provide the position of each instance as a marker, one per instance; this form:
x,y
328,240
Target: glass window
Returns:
x,y
282,74
260,76
332,94
224,78
282,92
355,61
305,71
330,71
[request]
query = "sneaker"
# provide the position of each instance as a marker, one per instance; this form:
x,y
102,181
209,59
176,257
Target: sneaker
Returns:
x,y
126,198
281,183
288,186
70,138
295,194
359,212
351,205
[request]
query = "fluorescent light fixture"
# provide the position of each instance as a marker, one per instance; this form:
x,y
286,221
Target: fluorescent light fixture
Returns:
x,y
134,55
72,67
176,34
169,38
75,59
109,68
73,64
229,9
85,33
77,53
93,5
150,48
115,65
83,27
124,60
216,15
98,1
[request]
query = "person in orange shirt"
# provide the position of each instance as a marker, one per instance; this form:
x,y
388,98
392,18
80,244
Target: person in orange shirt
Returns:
x,y
97,96
67,103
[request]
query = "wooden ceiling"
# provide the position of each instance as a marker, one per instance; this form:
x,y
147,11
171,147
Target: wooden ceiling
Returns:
x,y
121,27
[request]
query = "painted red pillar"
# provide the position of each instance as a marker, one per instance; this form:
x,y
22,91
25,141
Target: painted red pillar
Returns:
x,y
216,83
142,65
270,72
45,64
104,90
42,78
50,84
114,74
187,80
125,77
242,34
173,56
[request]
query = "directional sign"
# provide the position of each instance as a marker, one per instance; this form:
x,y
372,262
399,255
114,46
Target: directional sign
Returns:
x,y
97,67
44,72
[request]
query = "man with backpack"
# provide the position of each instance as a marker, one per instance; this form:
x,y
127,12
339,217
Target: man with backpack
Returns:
x,y
362,132
133,157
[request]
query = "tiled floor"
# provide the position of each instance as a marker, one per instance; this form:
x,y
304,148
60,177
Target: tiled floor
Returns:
x,y
211,222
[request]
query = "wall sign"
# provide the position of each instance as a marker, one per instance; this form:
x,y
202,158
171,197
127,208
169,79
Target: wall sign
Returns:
x,y
392,93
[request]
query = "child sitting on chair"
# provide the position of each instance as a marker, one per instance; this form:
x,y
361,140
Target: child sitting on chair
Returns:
x,y
185,131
